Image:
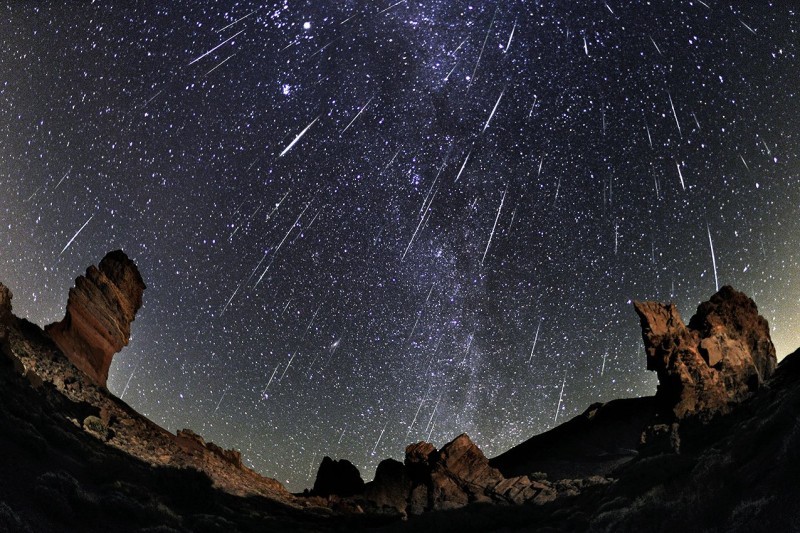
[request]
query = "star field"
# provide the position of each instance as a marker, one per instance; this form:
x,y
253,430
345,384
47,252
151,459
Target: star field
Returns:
x,y
365,224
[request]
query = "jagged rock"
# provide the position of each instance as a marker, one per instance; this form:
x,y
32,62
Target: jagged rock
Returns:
x,y
341,478
461,474
417,460
462,458
721,358
100,310
455,476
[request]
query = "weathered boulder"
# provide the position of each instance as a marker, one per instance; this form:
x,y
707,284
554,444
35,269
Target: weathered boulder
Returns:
x,y
99,313
341,478
722,357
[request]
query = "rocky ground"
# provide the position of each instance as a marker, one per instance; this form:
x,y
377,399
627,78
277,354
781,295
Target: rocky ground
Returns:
x,y
716,449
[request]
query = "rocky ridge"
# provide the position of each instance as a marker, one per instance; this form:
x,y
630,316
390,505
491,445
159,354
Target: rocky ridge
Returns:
x,y
109,419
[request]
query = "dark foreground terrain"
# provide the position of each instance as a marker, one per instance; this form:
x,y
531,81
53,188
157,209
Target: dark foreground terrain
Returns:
x,y
716,449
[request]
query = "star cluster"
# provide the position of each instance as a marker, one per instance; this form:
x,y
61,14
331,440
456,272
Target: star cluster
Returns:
x,y
366,224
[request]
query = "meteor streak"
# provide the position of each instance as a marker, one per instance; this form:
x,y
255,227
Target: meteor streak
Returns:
x,y
76,235
299,136
198,58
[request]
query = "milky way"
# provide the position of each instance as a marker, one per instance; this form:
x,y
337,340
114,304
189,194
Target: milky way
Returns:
x,y
365,224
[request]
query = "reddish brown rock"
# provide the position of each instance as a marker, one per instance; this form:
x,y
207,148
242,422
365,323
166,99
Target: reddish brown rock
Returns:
x,y
722,357
461,474
418,458
100,310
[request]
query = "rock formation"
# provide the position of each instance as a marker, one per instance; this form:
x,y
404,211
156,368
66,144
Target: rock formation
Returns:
x,y
337,477
100,310
453,477
722,357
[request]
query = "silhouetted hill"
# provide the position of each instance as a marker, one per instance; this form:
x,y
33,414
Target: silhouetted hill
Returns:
x,y
594,443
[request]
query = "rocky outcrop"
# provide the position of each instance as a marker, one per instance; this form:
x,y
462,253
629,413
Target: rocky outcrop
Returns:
x,y
458,474
76,458
99,423
722,357
453,477
337,477
100,310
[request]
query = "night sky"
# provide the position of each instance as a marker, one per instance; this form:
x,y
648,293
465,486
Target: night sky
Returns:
x,y
365,224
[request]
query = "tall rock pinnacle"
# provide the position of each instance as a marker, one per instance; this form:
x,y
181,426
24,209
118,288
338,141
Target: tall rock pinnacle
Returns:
x,y
100,310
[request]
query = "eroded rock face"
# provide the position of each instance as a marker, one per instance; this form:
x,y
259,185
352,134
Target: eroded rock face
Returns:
x,y
722,357
100,310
